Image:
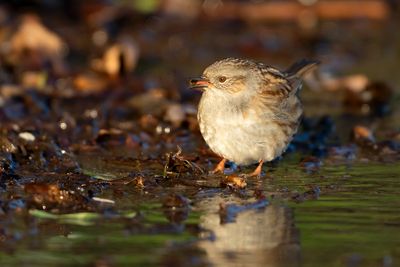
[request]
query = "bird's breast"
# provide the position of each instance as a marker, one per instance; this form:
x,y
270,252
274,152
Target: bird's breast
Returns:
x,y
243,135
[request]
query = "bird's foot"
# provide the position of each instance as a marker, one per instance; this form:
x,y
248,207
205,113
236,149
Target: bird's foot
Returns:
x,y
258,171
220,167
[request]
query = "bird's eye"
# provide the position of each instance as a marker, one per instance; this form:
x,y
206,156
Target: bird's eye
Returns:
x,y
221,79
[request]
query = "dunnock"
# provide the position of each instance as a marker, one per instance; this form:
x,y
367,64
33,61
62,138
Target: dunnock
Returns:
x,y
249,111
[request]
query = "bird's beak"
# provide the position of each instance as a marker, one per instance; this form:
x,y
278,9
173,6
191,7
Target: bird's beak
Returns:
x,y
199,83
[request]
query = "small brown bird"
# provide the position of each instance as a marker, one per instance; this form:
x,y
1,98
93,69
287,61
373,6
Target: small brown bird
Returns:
x,y
249,111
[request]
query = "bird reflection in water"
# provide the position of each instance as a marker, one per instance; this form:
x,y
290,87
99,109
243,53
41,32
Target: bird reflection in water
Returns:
x,y
257,237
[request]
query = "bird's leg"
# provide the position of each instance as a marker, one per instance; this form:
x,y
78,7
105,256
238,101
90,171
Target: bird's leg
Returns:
x,y
257,171
220,167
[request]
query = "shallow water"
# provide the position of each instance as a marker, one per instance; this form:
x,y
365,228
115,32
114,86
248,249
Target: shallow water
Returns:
x,y
337,216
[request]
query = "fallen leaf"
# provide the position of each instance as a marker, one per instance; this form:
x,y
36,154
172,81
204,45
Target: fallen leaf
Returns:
x,y
234,182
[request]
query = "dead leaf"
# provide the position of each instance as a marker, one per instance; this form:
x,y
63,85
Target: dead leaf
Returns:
x,y
42,44
363,133
176,201
177,164
119,59
89,83
234,181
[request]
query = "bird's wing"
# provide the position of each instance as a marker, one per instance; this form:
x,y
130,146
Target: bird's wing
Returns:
x,y
279,85
274,84
277,89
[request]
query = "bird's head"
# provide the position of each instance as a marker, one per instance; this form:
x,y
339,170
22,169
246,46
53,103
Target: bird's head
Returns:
x,y
229,76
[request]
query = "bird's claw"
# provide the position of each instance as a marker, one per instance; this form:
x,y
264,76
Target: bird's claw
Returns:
x,y
219,168
258,171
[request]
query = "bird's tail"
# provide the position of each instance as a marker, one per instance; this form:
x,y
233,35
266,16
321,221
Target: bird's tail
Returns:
x,y
300,68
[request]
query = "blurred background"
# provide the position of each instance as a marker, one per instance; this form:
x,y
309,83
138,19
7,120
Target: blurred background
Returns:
x,y
162,43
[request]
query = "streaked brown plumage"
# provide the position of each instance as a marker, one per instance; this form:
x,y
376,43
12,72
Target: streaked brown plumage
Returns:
x,y
249,111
